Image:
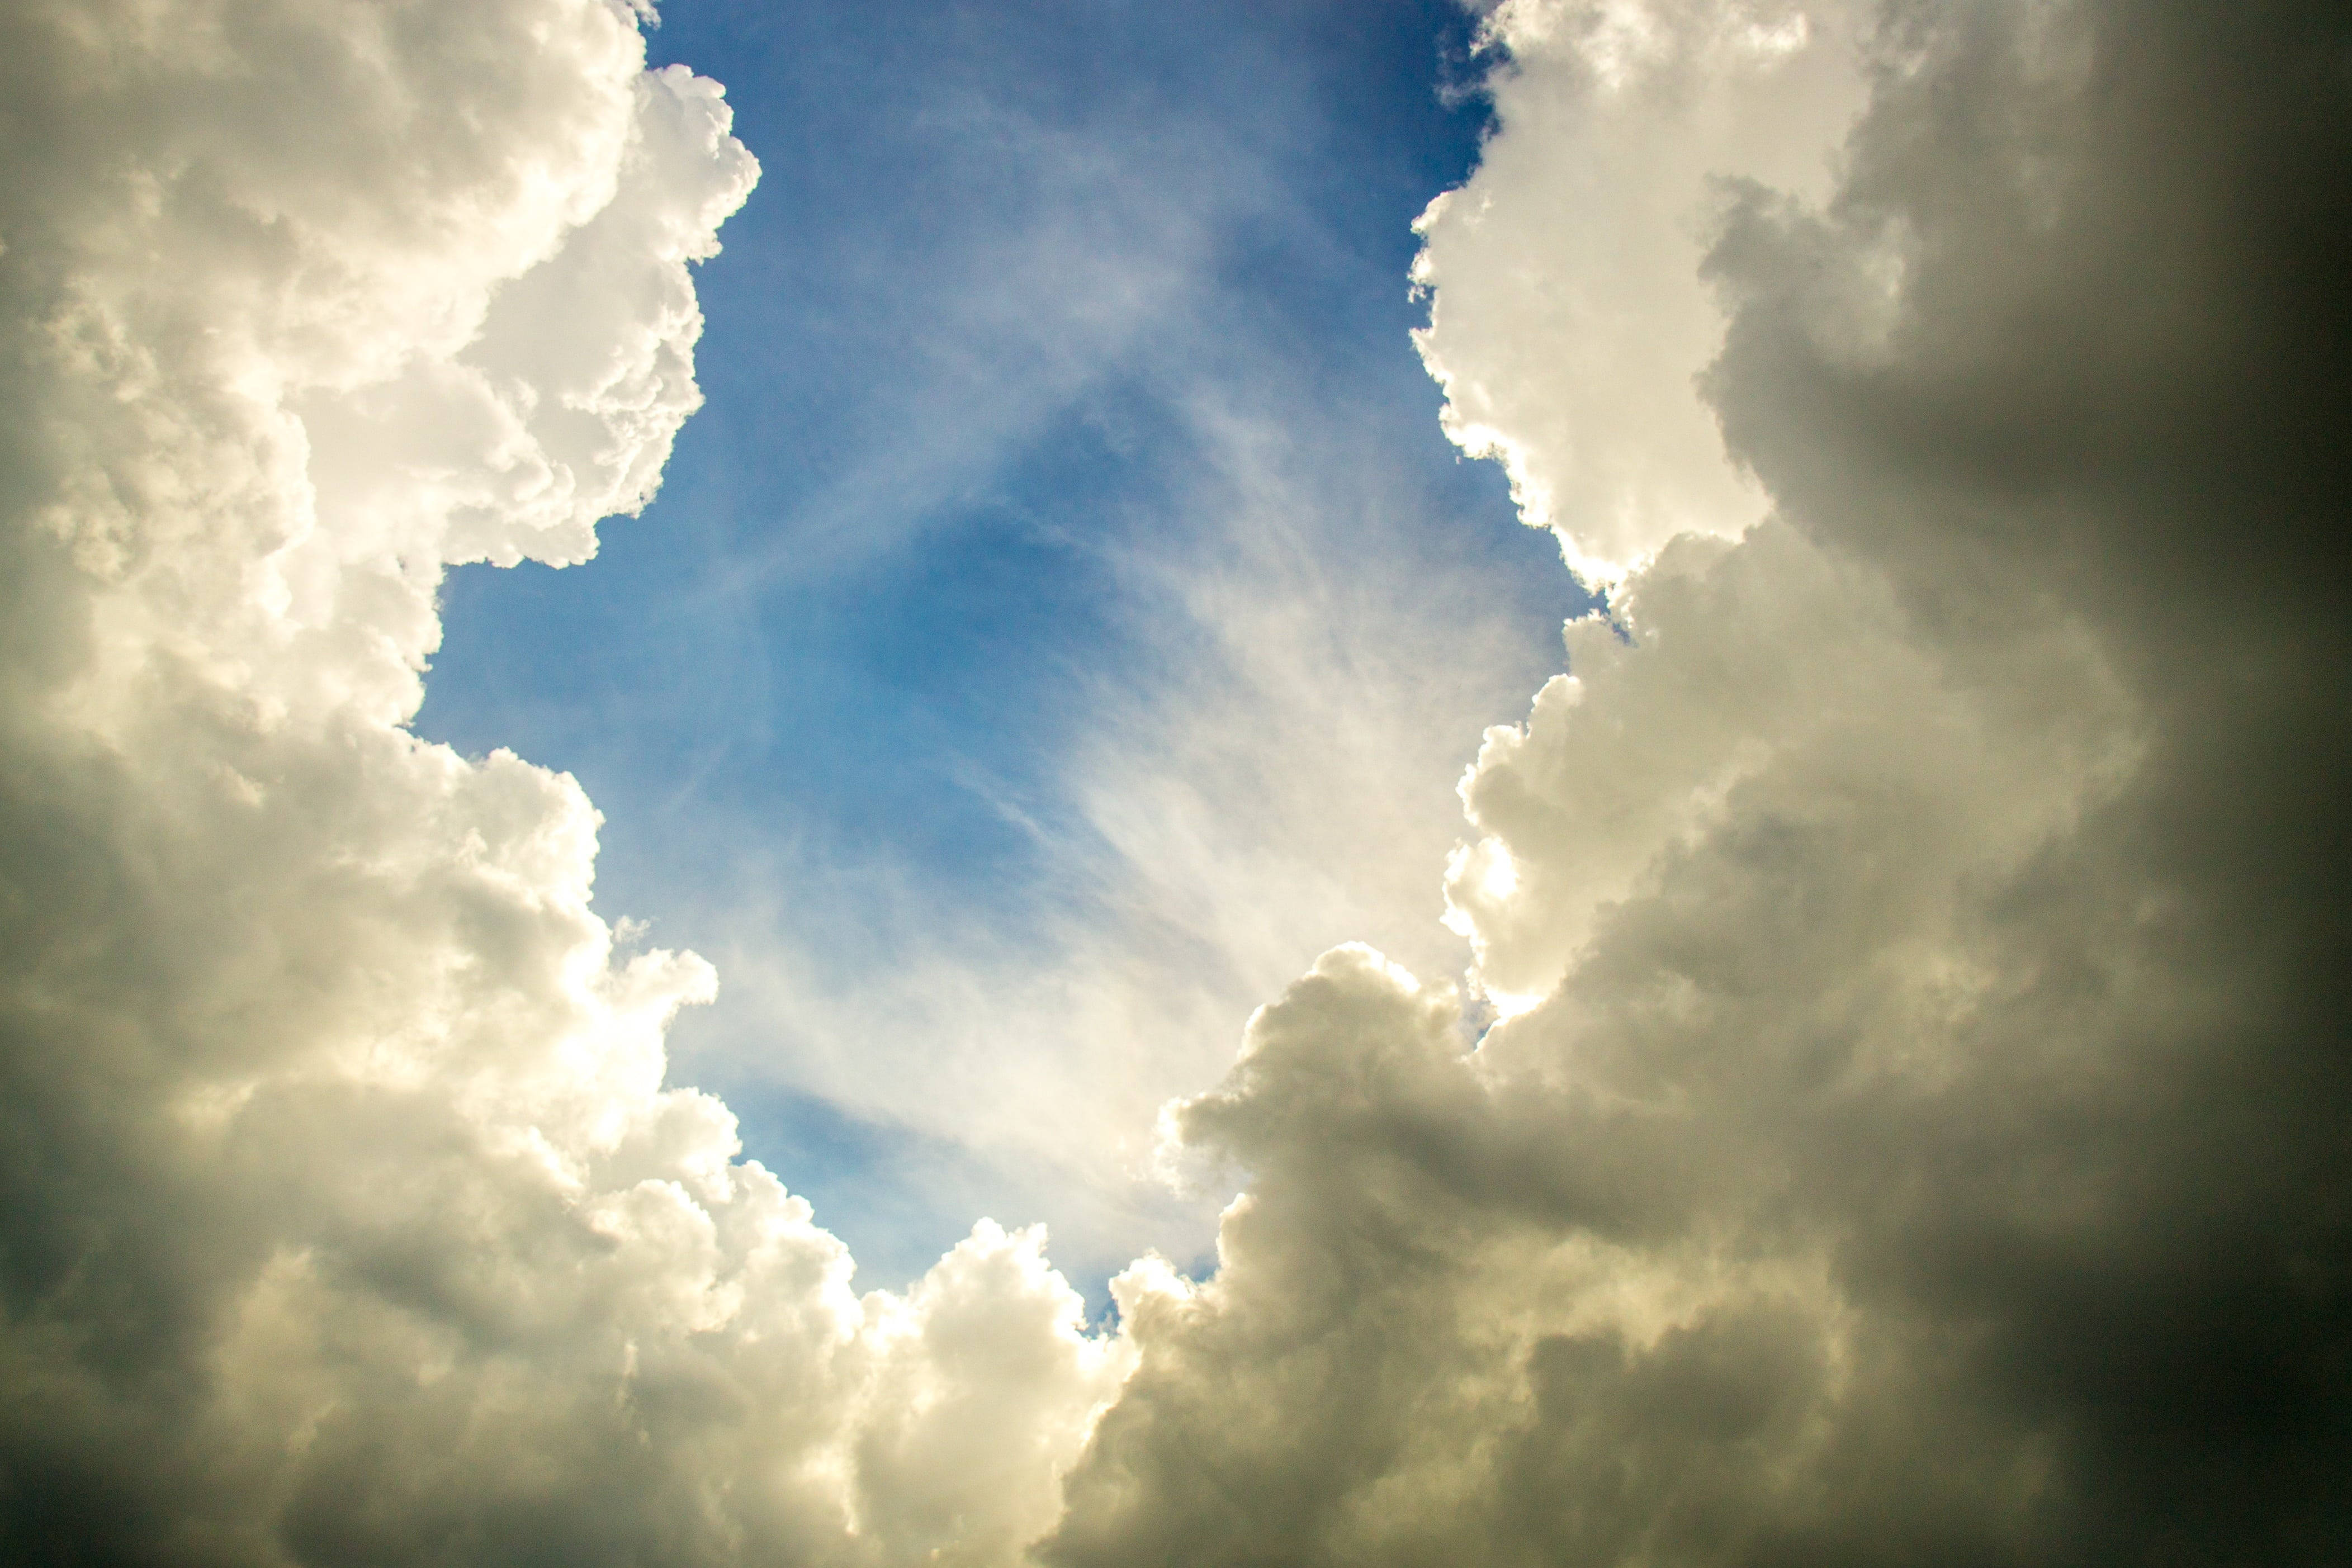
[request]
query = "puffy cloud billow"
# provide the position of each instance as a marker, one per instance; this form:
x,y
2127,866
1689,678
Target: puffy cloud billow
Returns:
x,y
1913,1131
347,1217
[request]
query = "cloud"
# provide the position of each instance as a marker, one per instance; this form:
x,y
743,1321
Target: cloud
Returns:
x,y
1915,1134
347,1217
1917,1137
1570,319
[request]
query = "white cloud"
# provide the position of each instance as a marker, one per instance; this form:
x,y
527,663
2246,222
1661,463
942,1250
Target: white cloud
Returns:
x,y
1918,1133
1570,323
347,1218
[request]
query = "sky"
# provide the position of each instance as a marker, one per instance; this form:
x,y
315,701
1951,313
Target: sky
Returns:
x,y
1064,441
1356,783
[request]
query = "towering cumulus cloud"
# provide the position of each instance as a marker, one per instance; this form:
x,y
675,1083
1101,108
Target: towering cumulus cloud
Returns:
x,y
346,1219
1912,1127
1916,1130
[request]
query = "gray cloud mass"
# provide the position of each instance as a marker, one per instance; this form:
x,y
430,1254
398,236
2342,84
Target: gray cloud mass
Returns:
x,y
1914,1127
1930,1146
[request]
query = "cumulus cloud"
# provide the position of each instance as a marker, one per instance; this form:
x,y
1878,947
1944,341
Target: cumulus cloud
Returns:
x,y
348,1219
1913,1131
1570,319
1915,1134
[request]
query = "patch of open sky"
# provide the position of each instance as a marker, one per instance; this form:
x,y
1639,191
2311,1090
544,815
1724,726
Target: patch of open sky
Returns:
x,y
1054,333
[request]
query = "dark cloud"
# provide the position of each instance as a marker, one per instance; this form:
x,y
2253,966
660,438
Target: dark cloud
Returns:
x,y
1932,1149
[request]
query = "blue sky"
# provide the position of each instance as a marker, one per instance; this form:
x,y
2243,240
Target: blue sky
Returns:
x,y
1064,431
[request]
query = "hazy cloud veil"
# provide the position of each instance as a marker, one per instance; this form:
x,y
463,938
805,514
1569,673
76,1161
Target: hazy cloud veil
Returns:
x,y
1914,1128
